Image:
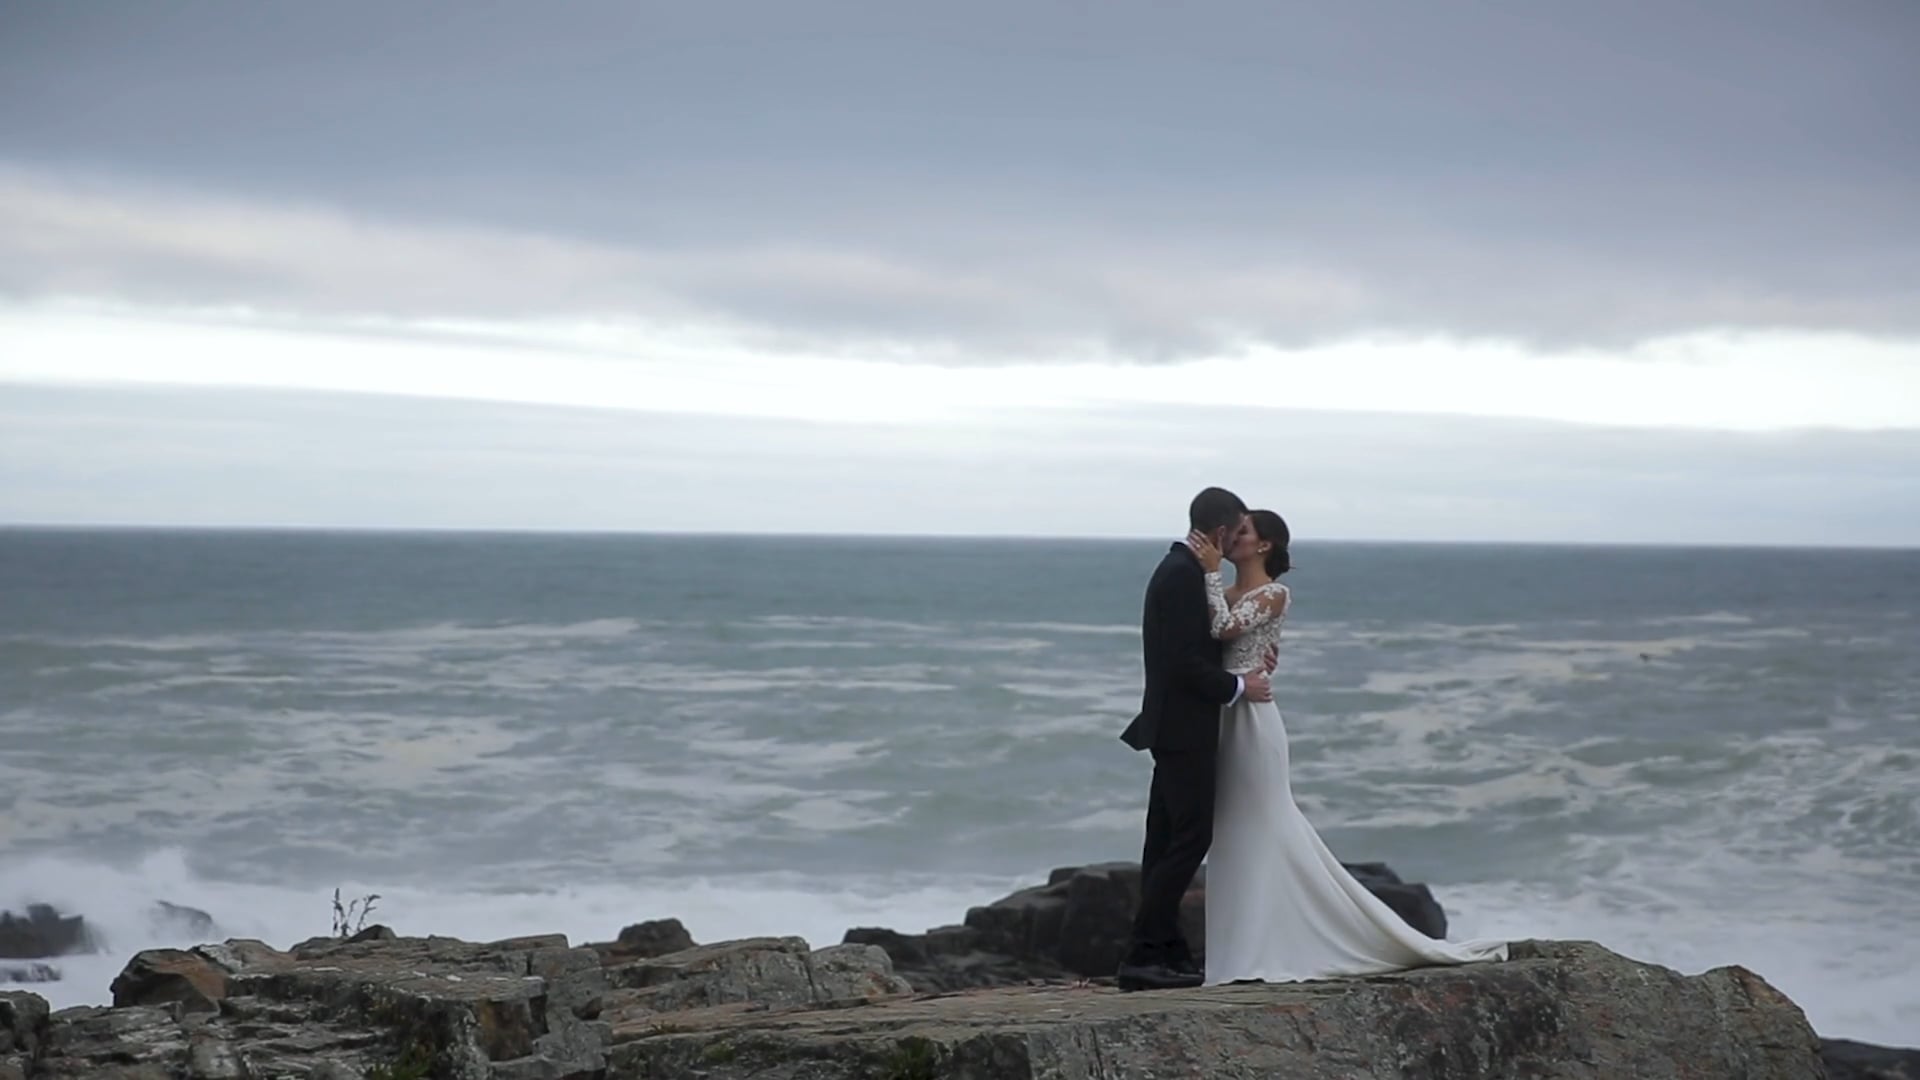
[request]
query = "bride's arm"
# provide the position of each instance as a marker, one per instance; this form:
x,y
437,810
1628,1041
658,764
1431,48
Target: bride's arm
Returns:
x,y
1219,618
1218,614
1256,610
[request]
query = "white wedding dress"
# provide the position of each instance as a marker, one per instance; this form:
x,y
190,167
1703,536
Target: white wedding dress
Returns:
x,y
1280,907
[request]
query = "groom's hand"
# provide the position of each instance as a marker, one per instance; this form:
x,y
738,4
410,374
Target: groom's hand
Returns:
x,y
1271,658
1258,687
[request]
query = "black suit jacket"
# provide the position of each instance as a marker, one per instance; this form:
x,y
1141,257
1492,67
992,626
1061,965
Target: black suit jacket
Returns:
x,y
1180,709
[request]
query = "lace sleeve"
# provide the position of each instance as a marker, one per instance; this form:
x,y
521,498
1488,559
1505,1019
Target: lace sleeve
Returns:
x,y
1258,607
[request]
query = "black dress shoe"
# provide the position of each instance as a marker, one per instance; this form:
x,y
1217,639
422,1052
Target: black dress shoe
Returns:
x,y
1156,977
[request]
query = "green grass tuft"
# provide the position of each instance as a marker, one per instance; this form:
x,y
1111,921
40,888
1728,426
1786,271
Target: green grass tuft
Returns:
x,y
912,1059
414,1064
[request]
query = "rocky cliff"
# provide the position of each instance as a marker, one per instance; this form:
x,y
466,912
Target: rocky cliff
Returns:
x,y
385,1008
1017,989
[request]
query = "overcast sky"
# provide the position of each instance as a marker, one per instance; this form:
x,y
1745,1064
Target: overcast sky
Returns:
x,y
1624,271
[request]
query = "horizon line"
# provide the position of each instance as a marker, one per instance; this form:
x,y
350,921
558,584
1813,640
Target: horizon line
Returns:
x,y
827,534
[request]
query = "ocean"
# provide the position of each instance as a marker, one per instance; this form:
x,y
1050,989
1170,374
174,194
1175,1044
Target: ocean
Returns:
x,y
1693,756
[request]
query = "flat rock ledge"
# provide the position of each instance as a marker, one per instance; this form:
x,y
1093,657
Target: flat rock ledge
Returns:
x,y
1556,1010
382,1007
388,1008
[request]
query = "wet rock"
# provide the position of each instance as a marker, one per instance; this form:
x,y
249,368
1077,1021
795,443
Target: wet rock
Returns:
x,y
43,932
30,972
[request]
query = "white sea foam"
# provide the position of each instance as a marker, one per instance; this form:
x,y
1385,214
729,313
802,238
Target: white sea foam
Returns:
x,y
823,644
116,900
999,645
1850,971
784,756
1098,629
894,627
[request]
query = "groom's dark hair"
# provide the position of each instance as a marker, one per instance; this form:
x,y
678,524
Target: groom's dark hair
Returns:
x,y
1215,508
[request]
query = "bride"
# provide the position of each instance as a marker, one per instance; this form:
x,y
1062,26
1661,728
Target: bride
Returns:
x,y
1280,907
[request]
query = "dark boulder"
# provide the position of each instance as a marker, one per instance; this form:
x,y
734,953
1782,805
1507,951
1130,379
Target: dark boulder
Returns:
x,y
159,976
1412,902
1076,926
178,920
320,946
645,940
43,932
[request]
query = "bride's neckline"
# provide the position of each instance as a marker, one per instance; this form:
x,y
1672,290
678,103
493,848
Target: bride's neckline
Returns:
x,y
1235,597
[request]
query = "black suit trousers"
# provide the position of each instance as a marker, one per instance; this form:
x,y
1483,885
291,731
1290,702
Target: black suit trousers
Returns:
x,y
1179,832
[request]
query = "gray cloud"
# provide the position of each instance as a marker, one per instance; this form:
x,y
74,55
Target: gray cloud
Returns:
x,y
198,457
1009,176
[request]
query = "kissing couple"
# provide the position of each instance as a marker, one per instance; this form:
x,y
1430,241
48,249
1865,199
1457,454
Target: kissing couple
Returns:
x,y
1280,907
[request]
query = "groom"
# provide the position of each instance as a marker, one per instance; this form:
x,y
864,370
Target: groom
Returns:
x,y
1179,722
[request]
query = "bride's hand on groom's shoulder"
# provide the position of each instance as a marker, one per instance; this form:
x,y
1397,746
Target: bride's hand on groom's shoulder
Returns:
x,y
1204,550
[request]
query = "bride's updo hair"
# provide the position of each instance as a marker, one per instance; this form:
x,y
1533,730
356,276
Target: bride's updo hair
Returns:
x,y
1272,529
